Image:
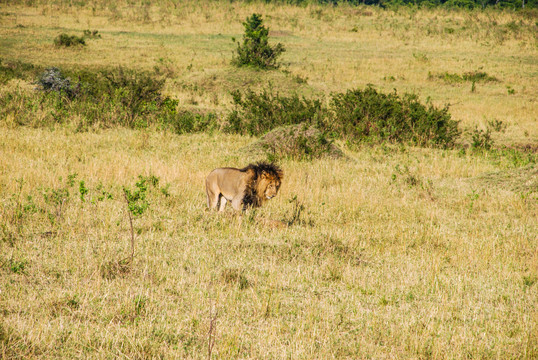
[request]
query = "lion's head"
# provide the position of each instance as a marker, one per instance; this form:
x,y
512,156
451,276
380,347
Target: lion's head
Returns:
x,y
264,183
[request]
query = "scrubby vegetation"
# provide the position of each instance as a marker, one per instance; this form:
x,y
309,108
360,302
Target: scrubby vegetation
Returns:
x,y
135,100
106,98
355,116
258,113
359,115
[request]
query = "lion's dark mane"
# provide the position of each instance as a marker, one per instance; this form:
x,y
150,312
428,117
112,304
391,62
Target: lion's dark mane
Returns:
x,y
251,198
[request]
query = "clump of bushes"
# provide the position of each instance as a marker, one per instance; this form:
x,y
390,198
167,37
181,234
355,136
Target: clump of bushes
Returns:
x,y
69,40
255,49
256,114
113,97
355,116
299,142
131,94
135,99
368,115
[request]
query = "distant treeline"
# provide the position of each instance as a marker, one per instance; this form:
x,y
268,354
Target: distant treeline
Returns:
x,y
468,4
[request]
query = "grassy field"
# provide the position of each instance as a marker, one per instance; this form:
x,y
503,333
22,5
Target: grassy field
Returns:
x,y
392,252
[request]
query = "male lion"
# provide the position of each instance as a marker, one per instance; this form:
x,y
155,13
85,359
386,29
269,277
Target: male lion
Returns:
x,y
250,186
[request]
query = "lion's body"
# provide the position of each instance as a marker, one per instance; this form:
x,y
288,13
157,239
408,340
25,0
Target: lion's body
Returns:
x,y
247,187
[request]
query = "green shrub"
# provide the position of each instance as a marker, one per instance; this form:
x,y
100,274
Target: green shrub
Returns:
x,y
256,114
255,50
133,93
69,40
104,98
481,140
360,115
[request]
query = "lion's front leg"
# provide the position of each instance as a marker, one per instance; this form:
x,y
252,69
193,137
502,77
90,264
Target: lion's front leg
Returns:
x,y
237,203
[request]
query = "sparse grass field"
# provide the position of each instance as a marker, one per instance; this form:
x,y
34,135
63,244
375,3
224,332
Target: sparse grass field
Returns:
x,y
392,252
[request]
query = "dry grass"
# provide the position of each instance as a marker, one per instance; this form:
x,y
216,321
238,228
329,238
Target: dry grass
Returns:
x,y
382,262
395,252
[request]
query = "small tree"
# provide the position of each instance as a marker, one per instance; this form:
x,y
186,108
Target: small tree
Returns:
x,y
255,50
137,203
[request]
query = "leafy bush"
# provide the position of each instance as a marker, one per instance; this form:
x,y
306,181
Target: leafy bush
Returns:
x,y
359,115
109,97
132,93
256,114
481,140
255,50
478,76
69,40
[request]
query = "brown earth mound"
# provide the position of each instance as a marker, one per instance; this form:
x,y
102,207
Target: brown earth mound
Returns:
x,y
300,142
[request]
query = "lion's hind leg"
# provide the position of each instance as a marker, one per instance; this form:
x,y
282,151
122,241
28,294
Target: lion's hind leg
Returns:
x,y
212,199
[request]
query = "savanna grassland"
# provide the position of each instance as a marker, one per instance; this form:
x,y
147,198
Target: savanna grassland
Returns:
x,y
393,251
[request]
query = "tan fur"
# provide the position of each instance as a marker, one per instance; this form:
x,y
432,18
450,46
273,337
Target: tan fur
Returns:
x,y
246,187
